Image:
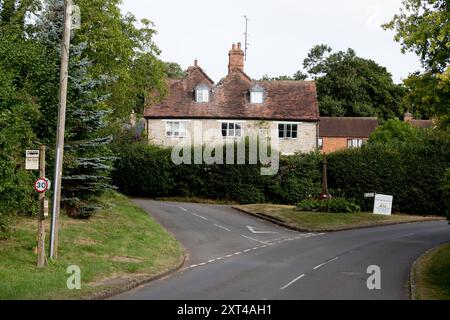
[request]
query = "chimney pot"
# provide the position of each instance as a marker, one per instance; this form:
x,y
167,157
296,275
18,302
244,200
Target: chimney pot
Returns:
x,y
236,61
408,117
195,63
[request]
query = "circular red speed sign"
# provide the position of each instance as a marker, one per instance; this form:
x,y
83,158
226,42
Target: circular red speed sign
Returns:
x,y
41,185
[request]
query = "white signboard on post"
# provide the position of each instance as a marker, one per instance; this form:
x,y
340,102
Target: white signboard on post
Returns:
x,y
32,160
383,204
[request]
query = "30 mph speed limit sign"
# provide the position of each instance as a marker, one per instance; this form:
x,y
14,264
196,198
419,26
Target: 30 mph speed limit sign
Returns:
x,y
41,185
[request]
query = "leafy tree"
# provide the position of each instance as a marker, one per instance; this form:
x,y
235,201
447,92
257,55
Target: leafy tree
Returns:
x,y
426,95
173,70
423,27
114,45
87,159
394,131
348,85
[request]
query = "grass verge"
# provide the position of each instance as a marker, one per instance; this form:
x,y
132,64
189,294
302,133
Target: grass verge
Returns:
x,y
119,245
325,222
432,274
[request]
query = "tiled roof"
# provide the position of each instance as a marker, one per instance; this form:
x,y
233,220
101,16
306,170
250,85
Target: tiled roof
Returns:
x,y
344,127
421,123
284,100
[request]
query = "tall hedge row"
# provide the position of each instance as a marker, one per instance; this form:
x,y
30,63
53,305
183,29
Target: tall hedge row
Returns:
x,y
148,171
414,173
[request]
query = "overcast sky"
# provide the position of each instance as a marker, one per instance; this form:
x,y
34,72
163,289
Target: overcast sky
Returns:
x,y
281,32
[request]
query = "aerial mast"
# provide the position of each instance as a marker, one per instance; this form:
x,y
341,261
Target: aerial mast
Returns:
x,y
246,35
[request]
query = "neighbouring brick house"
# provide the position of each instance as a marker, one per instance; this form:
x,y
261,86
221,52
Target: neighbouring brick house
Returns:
x,y
344,133
234,107
424,124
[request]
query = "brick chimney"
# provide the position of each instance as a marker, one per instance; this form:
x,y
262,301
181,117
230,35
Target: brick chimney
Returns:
x,y
408,117
236,58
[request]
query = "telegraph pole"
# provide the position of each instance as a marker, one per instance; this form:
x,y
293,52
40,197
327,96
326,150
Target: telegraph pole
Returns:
x,y
43,207
64,74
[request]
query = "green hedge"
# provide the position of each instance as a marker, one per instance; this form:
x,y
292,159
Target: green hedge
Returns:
x,y
334,205
149,172
413,172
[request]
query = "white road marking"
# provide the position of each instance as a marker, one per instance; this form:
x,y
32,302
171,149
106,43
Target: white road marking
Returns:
x,y
223,228
292,282
237,253
253,230
319,266
325,263
185,210
199,216
253,239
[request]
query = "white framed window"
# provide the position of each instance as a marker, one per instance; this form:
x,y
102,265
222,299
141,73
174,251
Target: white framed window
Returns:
x,y
355,143
231,129
257,94
320,143
176,129
202,93
288,130
257,97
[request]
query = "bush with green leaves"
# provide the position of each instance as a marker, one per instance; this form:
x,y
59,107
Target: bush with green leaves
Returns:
x,y
148,171
333,205
412,171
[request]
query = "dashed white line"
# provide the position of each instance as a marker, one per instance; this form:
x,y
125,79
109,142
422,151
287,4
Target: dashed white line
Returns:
x,y
223,228
292,282
199,216
185,210
319,266
325,263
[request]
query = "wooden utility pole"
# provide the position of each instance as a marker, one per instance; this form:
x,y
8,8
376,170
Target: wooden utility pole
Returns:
x,y
64,74
41,261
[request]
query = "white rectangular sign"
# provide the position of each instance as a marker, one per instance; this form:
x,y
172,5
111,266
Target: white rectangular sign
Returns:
x,y
32,160
383,204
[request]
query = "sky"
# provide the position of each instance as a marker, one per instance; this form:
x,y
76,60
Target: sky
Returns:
x,y
281,32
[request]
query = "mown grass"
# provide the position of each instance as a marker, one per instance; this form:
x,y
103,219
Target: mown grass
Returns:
x,y
432,274
317,222
119,244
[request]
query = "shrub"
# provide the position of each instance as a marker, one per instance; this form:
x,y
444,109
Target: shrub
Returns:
x,y
334,205
411,171
148,171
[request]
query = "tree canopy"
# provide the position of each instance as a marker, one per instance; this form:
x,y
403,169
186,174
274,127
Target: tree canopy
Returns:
x,y
348,85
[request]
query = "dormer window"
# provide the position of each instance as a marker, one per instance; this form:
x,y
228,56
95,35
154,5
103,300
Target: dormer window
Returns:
x,y
202,93
257,95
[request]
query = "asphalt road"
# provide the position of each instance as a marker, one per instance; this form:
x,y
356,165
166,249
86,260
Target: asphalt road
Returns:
x,y
237,257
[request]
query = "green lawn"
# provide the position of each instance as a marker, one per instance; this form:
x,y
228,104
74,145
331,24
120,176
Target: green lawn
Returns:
x,y
432,274
320,222
121,243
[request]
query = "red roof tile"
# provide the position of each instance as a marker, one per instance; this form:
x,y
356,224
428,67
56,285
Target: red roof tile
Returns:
x,y
284,100
344,127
